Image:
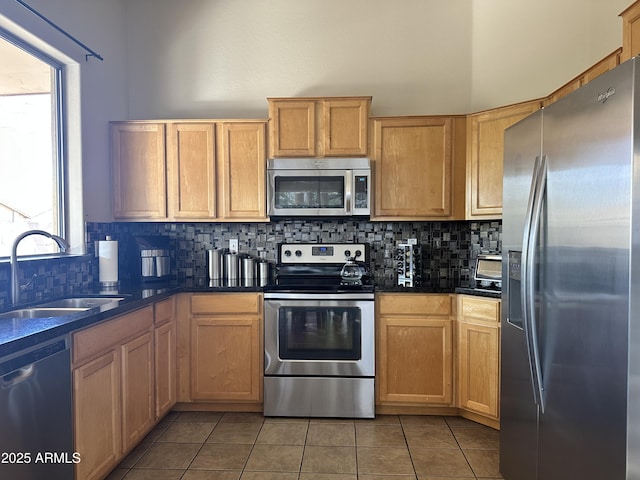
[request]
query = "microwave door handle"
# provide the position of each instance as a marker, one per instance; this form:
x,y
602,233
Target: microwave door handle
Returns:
x,y
271,193
348,190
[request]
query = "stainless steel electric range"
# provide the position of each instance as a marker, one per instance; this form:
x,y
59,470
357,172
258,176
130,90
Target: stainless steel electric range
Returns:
x,y
319,333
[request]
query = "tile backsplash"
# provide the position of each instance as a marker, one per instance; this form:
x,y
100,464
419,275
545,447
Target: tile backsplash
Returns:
x,y
48,278
449,249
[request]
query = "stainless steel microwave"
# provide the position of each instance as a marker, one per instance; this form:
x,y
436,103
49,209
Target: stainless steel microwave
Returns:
x,y
318,187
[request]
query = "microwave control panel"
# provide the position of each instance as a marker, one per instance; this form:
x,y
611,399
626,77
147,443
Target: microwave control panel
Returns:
x,y
361,191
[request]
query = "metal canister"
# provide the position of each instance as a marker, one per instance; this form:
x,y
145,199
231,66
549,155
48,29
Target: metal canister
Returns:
x,y
214,261
231,264
263,273
248,272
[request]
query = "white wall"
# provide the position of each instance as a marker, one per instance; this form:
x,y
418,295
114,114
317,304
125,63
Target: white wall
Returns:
x,y
222,58
524,50
100,25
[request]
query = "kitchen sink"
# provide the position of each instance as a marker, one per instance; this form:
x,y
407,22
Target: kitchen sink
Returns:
x,y
82,302
42,312
60,308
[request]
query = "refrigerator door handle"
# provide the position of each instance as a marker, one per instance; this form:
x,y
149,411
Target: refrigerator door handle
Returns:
x,y
531,232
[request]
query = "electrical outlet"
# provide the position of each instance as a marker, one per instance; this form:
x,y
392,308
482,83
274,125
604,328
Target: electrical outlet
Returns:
x,y
233,245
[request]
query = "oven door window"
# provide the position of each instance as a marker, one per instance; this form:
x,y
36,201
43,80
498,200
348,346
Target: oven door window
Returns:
x,y
309,192
319,333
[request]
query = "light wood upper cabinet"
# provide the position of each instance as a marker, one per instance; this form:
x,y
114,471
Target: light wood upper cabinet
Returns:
x,y
191,185
415,350
479,356
345,124
292,128
318,127
630,32
139,170
242,154
485,157
414,168
210,170
610,62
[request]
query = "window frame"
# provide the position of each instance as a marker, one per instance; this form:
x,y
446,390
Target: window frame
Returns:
x,y
66,136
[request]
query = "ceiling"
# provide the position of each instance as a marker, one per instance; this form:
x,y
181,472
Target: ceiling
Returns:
x,y
21,73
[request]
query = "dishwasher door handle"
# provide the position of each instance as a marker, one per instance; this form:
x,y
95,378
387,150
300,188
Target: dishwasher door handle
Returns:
x,y
17,376
16,369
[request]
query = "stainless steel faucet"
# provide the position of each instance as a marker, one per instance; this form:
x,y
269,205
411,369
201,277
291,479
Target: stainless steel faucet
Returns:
x,y
15,281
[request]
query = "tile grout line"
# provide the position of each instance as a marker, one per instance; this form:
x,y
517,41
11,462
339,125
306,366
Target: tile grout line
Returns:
x,y
201,446
252,447
461,450
304,447
406,442
306,438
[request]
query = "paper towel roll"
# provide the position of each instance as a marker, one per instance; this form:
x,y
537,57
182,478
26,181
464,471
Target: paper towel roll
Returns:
x,y
108,262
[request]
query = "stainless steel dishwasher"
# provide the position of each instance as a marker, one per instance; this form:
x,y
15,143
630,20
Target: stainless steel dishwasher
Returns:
x,y
36,430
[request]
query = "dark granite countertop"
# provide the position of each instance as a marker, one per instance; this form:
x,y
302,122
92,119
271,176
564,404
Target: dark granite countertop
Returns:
x,y
427,289
420,289
480,292
17,334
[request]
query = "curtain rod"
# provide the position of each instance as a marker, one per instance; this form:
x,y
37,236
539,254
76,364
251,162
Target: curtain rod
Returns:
x,y
90,53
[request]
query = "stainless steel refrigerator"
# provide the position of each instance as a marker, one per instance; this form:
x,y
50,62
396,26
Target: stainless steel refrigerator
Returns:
x,y
570,361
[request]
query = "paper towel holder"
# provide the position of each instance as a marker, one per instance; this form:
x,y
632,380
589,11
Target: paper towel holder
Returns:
x,y
107,253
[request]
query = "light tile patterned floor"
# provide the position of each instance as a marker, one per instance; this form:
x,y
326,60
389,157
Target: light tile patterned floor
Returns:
x,y
247,446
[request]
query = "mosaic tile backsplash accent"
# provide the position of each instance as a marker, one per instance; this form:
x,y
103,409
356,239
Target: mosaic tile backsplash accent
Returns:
x,y
449,248
48,278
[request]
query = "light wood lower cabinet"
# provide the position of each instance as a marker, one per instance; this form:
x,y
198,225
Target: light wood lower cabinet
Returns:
x,y
165,355
97,415
124,373
138,400
415,356
479,356
226,345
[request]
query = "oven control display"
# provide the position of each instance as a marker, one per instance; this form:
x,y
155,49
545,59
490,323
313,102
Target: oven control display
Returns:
x,y
322,251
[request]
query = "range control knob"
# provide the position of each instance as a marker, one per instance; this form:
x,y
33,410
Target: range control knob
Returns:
x,y
358,253
347,253
298,253
287,253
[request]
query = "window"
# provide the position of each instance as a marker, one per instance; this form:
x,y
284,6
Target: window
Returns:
x,y
31,180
